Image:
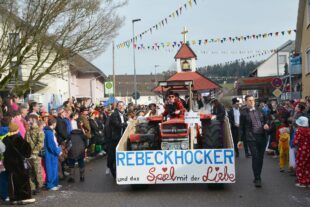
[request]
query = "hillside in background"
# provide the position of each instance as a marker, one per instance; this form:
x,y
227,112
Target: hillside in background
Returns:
x,y
235,69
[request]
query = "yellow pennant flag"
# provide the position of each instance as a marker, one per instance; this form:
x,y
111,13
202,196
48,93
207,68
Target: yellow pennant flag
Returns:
x,y
190,3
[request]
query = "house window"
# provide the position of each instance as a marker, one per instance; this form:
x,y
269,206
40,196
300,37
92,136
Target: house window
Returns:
x,y
308,61
282,59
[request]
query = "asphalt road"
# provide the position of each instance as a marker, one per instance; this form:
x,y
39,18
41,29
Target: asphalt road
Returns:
x,y
100,190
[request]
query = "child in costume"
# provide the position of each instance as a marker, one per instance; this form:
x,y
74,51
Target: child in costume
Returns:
x,y
284,138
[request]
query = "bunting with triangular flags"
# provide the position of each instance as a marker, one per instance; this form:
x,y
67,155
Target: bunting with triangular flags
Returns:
x,y
177,12
220,40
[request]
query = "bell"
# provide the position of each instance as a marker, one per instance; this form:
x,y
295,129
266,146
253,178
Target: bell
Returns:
x,y
186,65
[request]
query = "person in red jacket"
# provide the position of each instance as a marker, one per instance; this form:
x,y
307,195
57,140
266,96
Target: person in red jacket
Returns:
x,y
173,107
302,141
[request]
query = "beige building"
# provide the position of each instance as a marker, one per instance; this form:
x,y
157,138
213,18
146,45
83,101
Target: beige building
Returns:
x,y
303,43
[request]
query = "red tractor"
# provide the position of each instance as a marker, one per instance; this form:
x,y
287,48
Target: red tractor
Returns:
x,y
194,148
156,133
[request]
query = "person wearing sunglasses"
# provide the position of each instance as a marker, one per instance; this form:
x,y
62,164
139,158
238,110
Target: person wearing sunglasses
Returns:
x,y
174,107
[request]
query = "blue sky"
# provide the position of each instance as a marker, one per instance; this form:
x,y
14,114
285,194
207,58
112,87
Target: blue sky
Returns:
x,y
209,19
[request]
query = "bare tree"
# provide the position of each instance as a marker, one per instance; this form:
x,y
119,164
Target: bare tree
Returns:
x,y
40,35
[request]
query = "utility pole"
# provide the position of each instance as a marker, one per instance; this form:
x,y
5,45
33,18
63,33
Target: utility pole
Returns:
x,y
134,58
113,66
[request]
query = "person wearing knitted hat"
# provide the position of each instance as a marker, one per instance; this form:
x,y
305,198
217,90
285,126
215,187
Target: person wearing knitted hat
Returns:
x,y
17,151
302,141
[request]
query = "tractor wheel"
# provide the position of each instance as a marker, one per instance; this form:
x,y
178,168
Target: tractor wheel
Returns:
x,y
211,135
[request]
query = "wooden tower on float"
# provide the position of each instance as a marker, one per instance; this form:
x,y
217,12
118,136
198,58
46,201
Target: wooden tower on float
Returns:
x,y
185,57
186,70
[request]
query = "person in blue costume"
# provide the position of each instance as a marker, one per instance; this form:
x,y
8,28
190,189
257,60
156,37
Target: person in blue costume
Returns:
x,y
52,152
4,186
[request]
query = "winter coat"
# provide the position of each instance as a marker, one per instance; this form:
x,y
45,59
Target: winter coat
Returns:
x,y
61,130
219,111
69,125
171,108
246,127
17,149
96,131
116,125
77,144
107,131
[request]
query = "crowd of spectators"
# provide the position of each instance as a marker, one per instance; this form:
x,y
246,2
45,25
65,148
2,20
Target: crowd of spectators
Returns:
x,y
288,135
39,147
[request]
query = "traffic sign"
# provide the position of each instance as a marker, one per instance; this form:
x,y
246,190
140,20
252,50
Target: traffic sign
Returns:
x,y
276,82
108,87
137,95
277,92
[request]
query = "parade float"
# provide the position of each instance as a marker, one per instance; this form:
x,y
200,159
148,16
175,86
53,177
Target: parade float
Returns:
x,y
194,148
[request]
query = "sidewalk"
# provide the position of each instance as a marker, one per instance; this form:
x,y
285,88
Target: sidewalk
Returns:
x,y
44,191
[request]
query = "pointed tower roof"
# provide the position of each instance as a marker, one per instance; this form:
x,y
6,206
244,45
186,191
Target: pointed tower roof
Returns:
x,y
185,52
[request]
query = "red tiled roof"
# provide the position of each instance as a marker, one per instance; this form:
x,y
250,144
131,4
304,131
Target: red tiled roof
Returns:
x,y
185,52
200,82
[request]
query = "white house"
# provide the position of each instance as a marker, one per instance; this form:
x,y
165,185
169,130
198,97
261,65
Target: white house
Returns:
x,y
275,64
74,76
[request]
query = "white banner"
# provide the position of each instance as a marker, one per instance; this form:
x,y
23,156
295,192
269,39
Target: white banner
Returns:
x,y
192,118
175,166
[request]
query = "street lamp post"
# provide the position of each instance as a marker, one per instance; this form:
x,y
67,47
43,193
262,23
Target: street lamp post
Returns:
x,y
134,58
